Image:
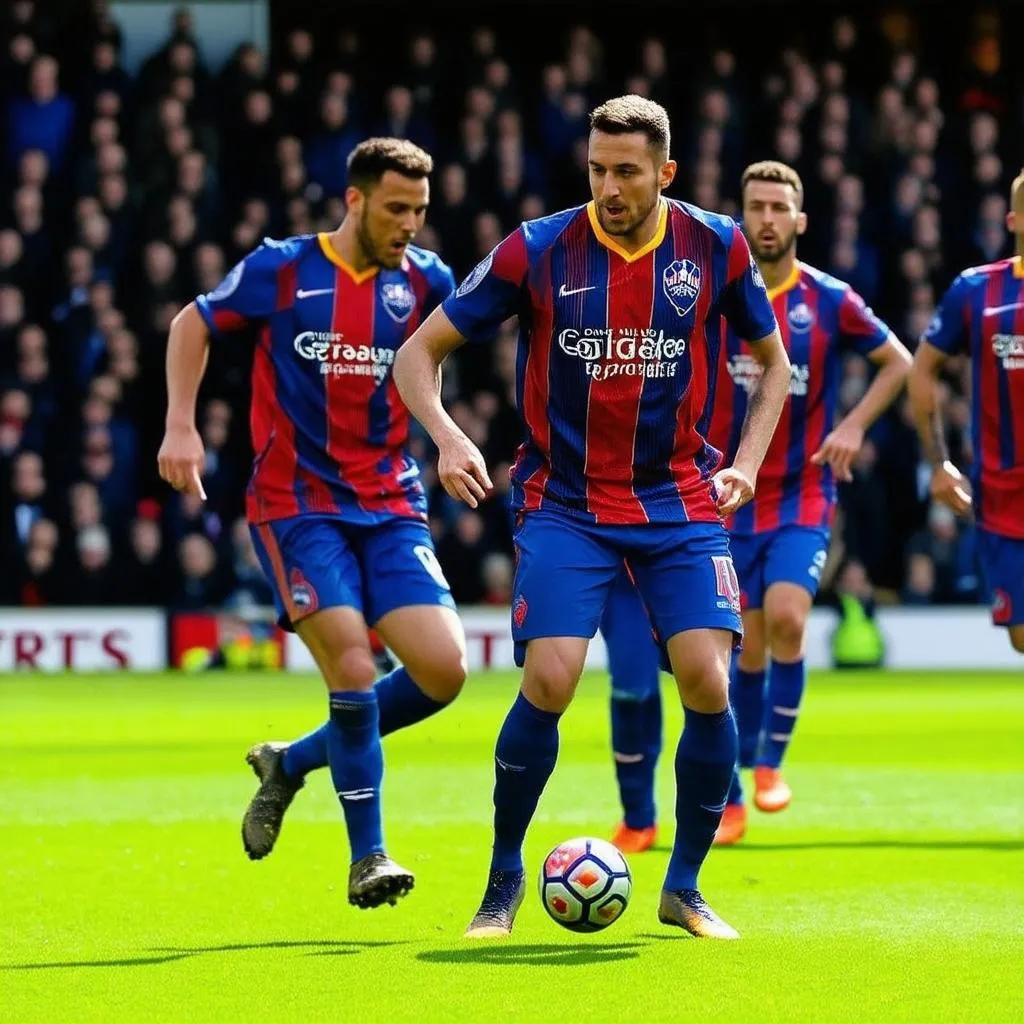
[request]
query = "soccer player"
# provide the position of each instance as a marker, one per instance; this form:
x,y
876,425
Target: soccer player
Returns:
x,y
634,663
983,313
780,540
335,504
618,303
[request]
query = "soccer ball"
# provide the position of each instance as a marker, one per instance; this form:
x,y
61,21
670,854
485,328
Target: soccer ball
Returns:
x,y
585,884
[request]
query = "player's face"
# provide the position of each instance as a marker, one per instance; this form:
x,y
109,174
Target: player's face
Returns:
x,y
771,220
389,215
626,180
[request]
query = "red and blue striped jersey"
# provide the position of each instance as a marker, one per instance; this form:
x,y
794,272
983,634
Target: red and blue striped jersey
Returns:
x,y
983,313
615,370
820,319
328,426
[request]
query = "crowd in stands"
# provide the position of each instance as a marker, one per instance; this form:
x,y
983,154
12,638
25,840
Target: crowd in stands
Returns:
x,y
124,195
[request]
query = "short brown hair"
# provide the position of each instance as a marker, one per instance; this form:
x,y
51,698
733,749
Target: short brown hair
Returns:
x,y
776,172
1017,191
368,162
626,114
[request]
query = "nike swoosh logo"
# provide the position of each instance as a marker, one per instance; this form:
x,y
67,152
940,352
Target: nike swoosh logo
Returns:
x,y
302,294
563,291
993,310
713,808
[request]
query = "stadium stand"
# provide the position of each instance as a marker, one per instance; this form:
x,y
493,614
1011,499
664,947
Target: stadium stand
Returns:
x,y
125,195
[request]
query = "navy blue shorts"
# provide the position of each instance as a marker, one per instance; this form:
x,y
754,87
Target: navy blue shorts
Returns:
x,y
565,570
790,554
1002,561
316,562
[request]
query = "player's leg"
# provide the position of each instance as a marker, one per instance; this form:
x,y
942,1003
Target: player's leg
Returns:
x,y
633,662
410,605
746,677
793,567
687,580
409,601
337,639
1002,563
317,589
746,695
563,576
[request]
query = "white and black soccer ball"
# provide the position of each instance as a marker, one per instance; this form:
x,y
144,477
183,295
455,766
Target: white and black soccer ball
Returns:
x,y
585,884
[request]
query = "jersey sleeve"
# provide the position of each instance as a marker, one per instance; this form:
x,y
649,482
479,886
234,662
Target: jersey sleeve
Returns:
x,y
859,329
442,284
744,300
248,293
947,328
490,293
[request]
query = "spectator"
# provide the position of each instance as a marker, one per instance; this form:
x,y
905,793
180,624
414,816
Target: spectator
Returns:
x,y
44,119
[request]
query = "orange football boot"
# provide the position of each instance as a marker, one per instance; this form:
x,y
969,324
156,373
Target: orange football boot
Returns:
x,y
770,791
634,840
733,826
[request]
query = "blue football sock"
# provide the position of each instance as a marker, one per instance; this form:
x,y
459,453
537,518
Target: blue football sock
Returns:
x,y
636,744
705,761
735,788
357,767
307,753
746,694
401,702
786,682
524,758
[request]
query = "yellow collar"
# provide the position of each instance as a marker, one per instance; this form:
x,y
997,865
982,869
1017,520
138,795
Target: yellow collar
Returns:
x,y
358,276
1018,266
792,280
609,243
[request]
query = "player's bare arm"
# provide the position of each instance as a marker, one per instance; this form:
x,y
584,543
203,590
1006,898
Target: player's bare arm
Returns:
x,y
735,485
417,372
841,446
948,485
181,454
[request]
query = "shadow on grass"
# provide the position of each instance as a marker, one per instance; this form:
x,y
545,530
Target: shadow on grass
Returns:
x,y
140,961
329,946
168,954
995,845
535,954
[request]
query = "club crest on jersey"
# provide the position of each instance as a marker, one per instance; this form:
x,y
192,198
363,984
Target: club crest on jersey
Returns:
x,y
681,282
302,593
398,300
801,317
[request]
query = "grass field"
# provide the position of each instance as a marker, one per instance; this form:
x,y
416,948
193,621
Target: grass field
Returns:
x,y
892,890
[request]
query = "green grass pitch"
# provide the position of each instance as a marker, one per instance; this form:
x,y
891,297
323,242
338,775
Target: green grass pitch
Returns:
x,y
892,889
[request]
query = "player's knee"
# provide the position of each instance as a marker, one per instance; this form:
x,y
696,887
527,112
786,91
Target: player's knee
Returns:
x,y
550,683
703,680
442,675
751,657
1017,639
786,625
351,669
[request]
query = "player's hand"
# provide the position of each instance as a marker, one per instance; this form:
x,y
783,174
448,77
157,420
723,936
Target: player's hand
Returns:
x,y
839,449
462,470
733,489
951,487
181,459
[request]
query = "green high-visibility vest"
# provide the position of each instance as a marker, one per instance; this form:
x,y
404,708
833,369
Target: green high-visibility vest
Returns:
x,y
857,640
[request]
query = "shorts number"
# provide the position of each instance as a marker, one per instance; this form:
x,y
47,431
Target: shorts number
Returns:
x,y
726,583
818,564
429,562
